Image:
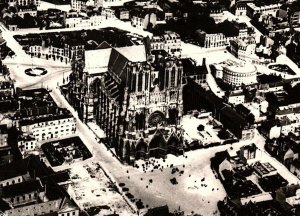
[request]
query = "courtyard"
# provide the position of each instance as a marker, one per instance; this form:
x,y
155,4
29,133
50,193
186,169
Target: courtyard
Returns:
x,y
66,150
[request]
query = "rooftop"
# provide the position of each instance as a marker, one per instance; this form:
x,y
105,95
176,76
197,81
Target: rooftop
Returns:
x,y
31,165
21,188
41,119
190,67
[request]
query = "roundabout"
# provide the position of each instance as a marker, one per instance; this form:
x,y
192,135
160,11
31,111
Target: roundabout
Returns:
x,y
37,71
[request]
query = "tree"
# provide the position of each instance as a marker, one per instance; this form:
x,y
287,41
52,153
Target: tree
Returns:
x,y
200,127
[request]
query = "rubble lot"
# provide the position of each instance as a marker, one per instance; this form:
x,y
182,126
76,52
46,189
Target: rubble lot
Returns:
x,y
91,188
208,136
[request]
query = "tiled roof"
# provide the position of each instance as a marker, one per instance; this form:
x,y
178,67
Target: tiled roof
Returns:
x,y
240,108
161,210
117,62
45,119
190,68
235,117
4,205
104,45
96,61
32,164
134,53
267,125
21,188
57,177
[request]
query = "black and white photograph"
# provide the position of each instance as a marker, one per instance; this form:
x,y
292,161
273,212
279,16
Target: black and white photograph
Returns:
x,y
149,107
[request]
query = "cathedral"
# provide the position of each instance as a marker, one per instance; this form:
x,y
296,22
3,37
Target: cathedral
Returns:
x,y
136,98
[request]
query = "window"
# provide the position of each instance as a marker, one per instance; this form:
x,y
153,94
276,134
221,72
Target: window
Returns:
x,y
173,73
140,82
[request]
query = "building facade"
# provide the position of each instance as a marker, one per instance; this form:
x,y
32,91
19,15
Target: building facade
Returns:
x,y
74,20
212,40
57,126
24,2
271,9
26,143
238,74
81,5
31,10
64,54
78,5
169,42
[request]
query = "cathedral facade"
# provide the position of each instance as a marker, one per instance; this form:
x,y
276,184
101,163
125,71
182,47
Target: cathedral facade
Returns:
x,y
136,101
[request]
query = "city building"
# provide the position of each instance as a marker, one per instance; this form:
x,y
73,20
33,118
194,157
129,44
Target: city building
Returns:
x,y
271,129
3,135
143,18
81,5
236,123
71,50
38,118
237,73
6,155
192,71
122,13
249,183
37,3
235,97
27,9
286,121
172,43
248,152
243,48
241,7
217,13
67,150
26,144
28,187
76,20
169,42
271,9
208,40
264,169
294,18
3,48
288,199
60,124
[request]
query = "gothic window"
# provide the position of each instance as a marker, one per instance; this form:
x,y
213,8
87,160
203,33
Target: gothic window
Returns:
x,y
133,82
167,78
146,81
179,75
140,82
173,77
